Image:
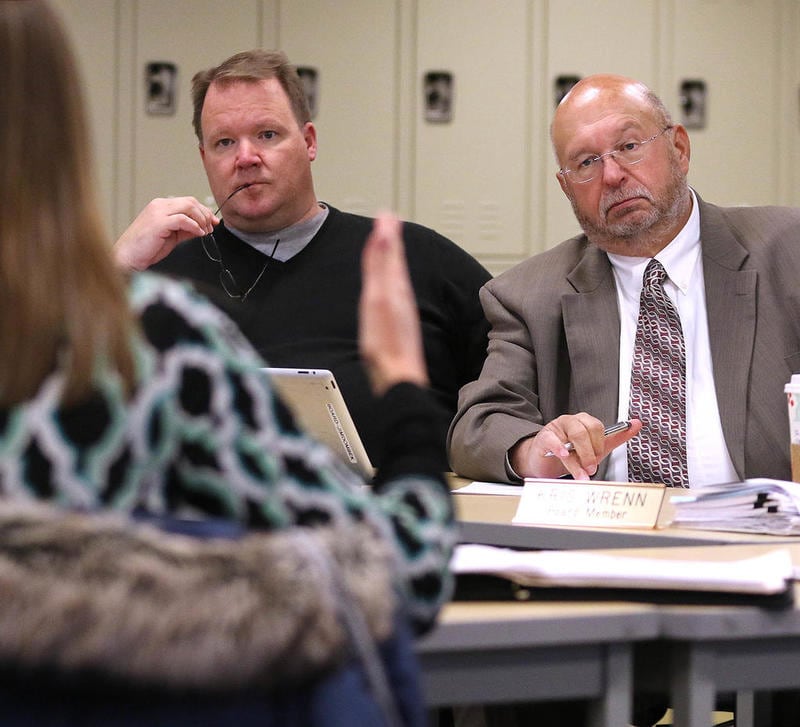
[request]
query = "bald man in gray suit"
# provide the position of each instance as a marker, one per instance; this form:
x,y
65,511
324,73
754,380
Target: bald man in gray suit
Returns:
x,y
563,322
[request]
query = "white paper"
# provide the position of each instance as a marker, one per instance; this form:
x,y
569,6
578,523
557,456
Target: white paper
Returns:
x,y
763,574
488,488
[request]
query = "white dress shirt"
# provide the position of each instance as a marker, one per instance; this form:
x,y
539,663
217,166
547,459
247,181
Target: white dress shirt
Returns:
x,y
707,455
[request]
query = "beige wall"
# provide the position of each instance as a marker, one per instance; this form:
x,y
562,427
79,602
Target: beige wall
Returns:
x,y
487,178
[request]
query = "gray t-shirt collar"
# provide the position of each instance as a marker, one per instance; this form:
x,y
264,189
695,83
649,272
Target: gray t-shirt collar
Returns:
x,y
291,239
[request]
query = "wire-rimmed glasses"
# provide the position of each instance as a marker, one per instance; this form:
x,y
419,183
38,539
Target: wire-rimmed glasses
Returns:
x,y
627,154
226,279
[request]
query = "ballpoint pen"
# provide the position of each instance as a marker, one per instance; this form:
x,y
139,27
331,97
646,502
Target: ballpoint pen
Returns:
x,y
610,429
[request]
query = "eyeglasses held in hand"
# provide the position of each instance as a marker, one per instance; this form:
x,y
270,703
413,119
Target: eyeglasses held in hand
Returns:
x,y
226,279
627,154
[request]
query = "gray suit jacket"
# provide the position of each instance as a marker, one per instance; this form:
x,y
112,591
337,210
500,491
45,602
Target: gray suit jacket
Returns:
x,y
554,343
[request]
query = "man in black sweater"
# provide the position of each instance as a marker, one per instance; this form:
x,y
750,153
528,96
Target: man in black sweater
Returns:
x,y
284,265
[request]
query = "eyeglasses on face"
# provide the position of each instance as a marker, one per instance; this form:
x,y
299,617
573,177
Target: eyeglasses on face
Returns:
x,y
627,154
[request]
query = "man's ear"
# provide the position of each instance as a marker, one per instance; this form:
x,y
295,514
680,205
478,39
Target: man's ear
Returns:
x,y
682,145
562,181
310,136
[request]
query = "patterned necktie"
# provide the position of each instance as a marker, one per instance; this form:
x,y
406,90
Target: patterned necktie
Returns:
x,y
658,387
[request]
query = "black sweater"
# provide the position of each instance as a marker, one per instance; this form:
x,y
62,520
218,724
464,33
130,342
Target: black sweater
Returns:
x,y
303,313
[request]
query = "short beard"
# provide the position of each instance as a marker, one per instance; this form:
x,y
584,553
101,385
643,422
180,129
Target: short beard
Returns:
x,y
636,237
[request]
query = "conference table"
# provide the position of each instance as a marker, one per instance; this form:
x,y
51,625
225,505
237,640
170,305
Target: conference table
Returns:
x,y
488,652
717,649
493,652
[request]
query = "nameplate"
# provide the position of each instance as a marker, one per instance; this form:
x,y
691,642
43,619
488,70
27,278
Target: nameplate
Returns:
x,y
589,504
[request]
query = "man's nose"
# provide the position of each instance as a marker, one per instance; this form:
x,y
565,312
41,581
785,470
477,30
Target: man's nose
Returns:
x,y
246,154
613,169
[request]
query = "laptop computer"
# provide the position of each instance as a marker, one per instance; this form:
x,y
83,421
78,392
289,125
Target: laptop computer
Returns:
x,y
317,402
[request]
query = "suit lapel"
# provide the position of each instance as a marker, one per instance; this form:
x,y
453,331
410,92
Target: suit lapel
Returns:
x,y
591,325
731,311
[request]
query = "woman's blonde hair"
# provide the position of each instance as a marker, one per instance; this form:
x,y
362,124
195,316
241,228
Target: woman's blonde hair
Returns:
x,y
62,300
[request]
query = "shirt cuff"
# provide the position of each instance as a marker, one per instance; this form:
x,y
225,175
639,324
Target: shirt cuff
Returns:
x,y
512,475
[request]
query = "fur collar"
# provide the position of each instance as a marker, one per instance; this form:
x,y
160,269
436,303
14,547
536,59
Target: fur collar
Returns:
x,y
96,593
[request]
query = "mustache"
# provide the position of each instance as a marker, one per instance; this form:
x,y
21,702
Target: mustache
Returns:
x,y
615,197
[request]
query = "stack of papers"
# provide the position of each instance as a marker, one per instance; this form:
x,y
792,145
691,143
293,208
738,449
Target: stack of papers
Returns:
x,y
754,506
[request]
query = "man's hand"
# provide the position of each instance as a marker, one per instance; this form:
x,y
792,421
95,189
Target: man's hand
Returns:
x,y
590,447
159,227
390,339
